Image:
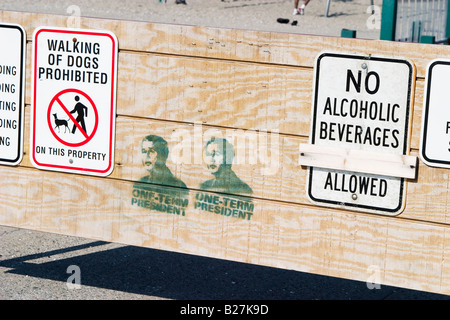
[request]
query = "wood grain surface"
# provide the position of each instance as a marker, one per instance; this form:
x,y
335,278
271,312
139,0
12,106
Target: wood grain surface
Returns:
x,y
186,84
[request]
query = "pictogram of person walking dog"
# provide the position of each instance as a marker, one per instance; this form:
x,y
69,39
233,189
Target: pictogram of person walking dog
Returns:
x,y
81,112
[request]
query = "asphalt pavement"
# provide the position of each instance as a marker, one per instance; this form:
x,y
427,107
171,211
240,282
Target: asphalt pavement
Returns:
x,y
46,266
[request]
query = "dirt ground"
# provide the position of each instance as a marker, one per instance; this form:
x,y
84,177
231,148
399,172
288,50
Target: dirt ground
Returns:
x,y
238,14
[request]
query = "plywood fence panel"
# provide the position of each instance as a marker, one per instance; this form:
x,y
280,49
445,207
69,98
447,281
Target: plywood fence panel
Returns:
x,y
232,94
187,83
276,177
222,93
324,241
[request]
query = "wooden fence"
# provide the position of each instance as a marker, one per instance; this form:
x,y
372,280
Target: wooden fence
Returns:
x,y
186,83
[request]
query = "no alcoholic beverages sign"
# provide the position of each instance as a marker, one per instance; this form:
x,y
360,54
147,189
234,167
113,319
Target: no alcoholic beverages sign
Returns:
x,y
360,103
74,100
12,66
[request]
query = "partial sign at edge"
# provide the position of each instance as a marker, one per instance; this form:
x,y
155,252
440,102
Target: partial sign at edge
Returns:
x,y
435,132
12,90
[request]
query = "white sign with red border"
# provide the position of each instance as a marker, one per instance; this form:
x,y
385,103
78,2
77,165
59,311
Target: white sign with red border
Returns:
x,y
74,100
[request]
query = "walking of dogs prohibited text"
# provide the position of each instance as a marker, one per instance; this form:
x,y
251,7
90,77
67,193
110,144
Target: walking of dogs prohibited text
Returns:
x,y
74,100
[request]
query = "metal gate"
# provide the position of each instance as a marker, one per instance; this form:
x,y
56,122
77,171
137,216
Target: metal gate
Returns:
x,y
415,21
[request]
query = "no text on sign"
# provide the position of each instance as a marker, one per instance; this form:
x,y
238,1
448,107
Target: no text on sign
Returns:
x,y
12,87
360,103
74,100
435,135
57,104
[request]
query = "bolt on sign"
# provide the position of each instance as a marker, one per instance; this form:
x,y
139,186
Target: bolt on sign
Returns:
x,y
74,100
12,87
435,135
360,131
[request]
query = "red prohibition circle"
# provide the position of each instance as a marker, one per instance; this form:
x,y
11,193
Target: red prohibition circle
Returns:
x,y
57,100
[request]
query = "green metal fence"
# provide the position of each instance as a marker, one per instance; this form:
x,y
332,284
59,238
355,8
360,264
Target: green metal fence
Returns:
x,y
424,21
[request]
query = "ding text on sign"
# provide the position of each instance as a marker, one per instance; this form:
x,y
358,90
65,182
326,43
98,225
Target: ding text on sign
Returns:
x,y
12,78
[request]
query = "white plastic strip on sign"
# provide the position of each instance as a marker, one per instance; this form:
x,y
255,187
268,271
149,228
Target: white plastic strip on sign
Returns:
x,y
401,166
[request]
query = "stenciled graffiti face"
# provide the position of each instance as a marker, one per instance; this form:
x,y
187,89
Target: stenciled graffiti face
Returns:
x,y
149,155
214,157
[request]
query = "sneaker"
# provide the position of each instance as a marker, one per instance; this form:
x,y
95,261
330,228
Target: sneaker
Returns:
x,y
296,12
301,11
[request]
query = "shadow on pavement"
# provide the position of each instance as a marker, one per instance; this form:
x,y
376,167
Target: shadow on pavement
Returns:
x,y
187,277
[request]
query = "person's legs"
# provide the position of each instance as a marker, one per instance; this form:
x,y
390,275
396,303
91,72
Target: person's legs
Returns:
x,y
296,7
302,8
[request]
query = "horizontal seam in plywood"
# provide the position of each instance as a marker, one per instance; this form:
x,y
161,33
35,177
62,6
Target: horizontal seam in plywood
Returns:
x,y
209,125
209,58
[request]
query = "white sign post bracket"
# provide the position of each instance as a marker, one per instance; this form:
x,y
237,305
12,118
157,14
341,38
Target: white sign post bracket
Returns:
x,y
401,166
